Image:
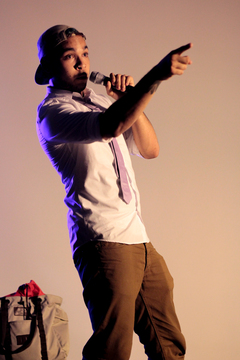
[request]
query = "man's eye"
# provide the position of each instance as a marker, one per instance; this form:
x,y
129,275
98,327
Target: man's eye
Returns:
x,y
85,54
68,56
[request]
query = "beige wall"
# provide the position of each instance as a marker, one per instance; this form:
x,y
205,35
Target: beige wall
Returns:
x,y
190,193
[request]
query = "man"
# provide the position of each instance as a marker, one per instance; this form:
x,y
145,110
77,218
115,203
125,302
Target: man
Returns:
x,y
127,286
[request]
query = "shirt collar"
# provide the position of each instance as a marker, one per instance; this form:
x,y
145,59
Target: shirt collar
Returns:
x,y
53,92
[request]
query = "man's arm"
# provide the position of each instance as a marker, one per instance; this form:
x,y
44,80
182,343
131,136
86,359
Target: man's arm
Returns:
x,y
143,132
127,111
145,137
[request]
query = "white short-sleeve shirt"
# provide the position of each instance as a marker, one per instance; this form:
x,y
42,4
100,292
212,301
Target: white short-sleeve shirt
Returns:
x,y
68,131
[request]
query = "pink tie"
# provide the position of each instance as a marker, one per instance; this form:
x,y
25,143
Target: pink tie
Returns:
x,y
122,172
120,166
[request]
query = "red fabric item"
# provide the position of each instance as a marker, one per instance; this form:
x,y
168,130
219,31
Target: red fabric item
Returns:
x,y
33,290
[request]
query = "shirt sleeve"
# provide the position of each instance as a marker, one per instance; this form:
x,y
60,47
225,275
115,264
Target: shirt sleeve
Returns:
x,y
62,122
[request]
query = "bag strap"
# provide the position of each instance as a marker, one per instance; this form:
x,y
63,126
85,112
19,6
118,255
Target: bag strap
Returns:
x,y
37,320
41,330
5,345
4,320
5,338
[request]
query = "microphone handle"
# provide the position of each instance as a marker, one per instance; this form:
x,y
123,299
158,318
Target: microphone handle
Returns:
x,y
128,87
98,78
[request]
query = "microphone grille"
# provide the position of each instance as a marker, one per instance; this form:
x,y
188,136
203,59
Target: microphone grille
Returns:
x,y
97,78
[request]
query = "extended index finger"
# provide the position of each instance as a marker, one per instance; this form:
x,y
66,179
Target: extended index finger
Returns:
x,y
181,49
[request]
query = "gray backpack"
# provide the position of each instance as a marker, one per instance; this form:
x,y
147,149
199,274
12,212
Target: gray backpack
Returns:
x,y
33,326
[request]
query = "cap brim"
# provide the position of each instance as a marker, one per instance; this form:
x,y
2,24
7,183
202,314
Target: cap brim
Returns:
x,y
41,77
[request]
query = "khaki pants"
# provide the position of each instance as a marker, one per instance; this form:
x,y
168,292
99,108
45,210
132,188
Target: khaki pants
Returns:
x,y
128,288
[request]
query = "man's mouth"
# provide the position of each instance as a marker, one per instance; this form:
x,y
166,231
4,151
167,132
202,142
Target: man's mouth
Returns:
x,y
82,76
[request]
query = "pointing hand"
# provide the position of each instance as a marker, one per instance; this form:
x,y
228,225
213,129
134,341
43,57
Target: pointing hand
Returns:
x,y
174,63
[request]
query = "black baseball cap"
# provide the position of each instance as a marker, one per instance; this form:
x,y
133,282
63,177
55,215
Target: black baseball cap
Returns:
x,y
46,45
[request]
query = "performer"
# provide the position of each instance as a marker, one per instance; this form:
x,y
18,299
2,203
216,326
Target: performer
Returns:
x,y
126,284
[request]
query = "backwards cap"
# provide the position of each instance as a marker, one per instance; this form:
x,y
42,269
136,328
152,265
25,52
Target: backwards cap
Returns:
x,y
46,45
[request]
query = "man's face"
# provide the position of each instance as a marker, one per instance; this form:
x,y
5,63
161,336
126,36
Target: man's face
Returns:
x,y
71,67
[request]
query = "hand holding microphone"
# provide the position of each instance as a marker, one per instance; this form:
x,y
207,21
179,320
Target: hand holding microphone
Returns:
x,y
119,83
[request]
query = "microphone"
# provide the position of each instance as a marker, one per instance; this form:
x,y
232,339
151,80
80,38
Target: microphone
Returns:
x,y
98,78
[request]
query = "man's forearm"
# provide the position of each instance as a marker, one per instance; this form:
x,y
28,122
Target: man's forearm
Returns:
x,y
121,115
